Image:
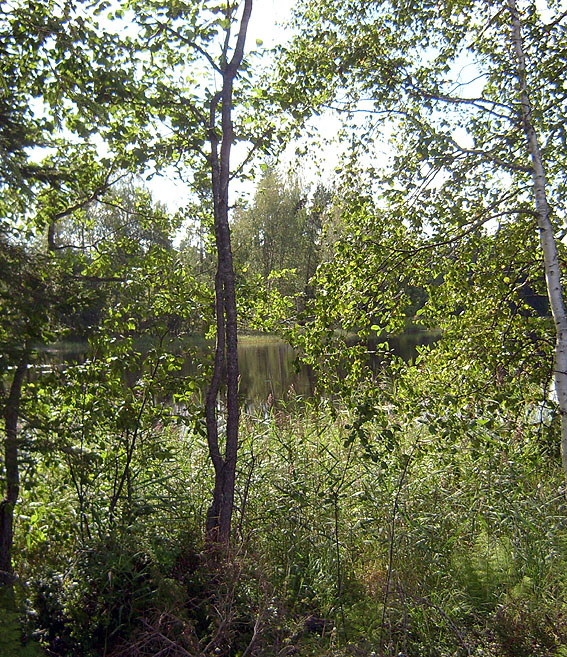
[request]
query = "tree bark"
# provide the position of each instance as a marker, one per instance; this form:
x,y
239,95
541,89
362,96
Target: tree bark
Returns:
x,y
11,413
219,516
545,226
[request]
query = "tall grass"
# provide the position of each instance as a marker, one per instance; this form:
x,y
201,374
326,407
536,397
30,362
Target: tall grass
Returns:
x,y
432,544
444,546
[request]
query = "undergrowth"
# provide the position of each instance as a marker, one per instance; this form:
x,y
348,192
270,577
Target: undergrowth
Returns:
x,y
434,547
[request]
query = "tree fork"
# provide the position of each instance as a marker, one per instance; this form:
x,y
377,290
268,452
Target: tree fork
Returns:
x,y
219,516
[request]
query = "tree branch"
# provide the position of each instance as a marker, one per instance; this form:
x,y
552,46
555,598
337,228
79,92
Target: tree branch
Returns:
x,y
493,158
52,246
191,44
255,145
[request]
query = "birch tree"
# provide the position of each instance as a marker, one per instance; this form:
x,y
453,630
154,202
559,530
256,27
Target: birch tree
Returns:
x,y
472,95
544,222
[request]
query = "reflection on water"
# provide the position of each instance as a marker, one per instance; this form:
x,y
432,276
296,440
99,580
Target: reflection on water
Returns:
x,y
268,368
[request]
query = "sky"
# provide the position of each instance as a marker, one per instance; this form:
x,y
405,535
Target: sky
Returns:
x,y
266,24
267,19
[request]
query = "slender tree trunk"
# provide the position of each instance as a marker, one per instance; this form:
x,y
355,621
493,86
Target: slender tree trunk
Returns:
x,y
219,516
11,413
214,511
545,226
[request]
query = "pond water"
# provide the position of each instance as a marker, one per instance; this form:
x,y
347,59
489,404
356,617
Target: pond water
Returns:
x,y
268,365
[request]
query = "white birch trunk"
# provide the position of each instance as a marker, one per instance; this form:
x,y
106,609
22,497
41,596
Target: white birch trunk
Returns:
x,y
546,233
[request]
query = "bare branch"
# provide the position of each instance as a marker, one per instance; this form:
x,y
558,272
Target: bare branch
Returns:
x,y
255,145
483,104
78,206
490,156
556,21
236,60
227,37
191,44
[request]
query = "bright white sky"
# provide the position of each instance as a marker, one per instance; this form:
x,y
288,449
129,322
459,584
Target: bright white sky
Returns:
x,y
266,24
267,18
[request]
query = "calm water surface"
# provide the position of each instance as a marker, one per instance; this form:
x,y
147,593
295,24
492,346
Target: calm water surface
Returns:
x,y
267,365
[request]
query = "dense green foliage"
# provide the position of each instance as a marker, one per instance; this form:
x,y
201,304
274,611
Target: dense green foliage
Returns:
x,y
281,230
406,508
446,544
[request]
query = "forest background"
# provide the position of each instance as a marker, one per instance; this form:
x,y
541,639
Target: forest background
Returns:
x,y
406,507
